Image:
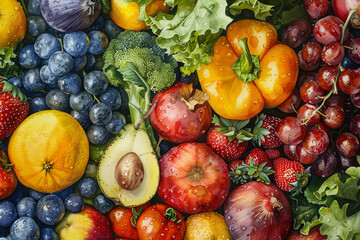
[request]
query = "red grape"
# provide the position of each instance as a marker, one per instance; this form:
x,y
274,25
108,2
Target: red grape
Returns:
x,y
336,100
304,156
326,77
323,127
355,100
291,131
316,141
333,53
349,81
344,163
325,165
340,23
290,151
296,33
316,8
306,77
347,144
311,92
305,111
304,65
326,31
294,99
311,53
349,39
355,53
355,125
335,116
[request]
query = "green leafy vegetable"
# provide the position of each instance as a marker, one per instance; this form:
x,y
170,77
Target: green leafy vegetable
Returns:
x,y
261,10
8,68
105,6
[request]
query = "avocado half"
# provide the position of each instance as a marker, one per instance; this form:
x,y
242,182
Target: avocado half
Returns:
x,y
129,140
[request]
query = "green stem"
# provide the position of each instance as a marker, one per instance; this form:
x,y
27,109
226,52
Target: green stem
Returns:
x,y
352,12
247,65
24,7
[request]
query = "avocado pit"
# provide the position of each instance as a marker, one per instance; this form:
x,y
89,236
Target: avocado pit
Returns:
x,y
129,171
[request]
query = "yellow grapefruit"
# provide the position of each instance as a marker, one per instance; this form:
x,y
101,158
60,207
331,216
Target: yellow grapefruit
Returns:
x,y
49,150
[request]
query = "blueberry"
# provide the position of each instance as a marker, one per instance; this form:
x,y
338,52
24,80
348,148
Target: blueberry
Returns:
x,y
98,42
348,63
88,187
36,25
52,86
36,195
96,82
111,29
28,58
38,104
32,81
24,228
8,213
50,209
65,192
60,63
57,100
46,45
74,203
97,135
103,204
116,123
112,98
81,101
16,81
47,76
82,118
34,7
79,63
97,25
26,207
48,234
100,114
76,43
70,83
90,62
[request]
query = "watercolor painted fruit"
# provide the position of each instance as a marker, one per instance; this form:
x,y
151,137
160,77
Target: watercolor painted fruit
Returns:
x,y
49,150
12,23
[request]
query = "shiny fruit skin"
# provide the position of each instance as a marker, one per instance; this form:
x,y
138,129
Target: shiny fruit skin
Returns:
x,y
285,172
326,164
326,77
314,234
355,125
349,81
311,92
296,33
125,15
120,220
248,203
49,150
305,111
335,116
348,145
316,141
193,178
174,121
291,131
208,225
303,156
293,101
12,23
8,178
152,224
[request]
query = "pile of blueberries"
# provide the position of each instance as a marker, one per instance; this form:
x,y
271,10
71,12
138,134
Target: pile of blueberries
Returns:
x,y
62,71
27,211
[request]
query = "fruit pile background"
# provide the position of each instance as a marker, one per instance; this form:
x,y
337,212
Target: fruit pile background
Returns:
x,y
162,120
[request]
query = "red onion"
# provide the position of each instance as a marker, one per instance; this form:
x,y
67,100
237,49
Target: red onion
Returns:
x,y
70,15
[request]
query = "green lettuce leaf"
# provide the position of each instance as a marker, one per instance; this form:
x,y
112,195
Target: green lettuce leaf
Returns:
x,y
261,10
8,68
337,225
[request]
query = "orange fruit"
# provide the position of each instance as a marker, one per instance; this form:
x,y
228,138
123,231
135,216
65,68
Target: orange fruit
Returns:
x,y
125,15
12,23
49,150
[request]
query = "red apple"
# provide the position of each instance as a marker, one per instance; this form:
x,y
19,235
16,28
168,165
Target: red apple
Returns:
x,y
182,114
89,224
193,178
314,234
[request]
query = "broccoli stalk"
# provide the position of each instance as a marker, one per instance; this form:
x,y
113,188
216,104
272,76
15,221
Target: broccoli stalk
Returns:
x,y
134,62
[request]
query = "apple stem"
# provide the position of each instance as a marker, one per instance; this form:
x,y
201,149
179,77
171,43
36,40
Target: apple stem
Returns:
x,y
146,115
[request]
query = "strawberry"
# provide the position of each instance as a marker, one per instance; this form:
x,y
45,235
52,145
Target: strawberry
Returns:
x,y
259,157
14,107
8,181
290,175
270,123
234,164
272,153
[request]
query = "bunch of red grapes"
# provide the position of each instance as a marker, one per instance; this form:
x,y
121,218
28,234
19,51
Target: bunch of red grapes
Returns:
x,y
326,129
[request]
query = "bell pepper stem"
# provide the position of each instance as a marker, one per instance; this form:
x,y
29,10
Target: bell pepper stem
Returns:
x,y
247,64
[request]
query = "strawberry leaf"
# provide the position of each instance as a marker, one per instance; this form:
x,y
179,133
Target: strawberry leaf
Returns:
x,y
7,167
16,92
